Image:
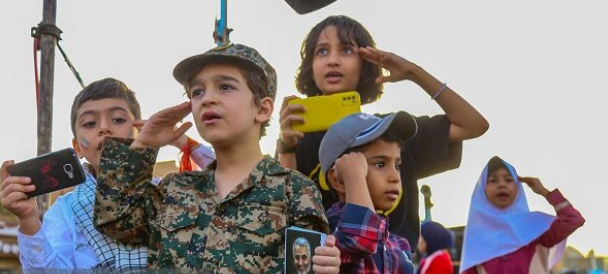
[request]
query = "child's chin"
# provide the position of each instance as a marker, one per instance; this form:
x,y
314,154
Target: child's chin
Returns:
x,y
213,139
383,209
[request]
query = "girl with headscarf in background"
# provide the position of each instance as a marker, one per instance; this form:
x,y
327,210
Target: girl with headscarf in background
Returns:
x,y
502,234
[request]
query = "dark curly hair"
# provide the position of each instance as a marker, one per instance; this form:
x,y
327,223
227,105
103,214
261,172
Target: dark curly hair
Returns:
x,y
349,32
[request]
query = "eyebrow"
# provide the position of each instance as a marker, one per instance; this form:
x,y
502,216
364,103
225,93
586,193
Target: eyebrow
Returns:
x,y
93,112
383,157
214,78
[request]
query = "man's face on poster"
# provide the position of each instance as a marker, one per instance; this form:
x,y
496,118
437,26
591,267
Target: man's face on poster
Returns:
x,y
301,258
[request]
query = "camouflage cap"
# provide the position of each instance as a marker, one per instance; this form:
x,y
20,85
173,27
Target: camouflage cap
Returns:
x,y
239,53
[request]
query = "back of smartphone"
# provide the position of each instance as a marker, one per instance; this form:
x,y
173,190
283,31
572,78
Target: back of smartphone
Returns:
x,y
50,172
324,111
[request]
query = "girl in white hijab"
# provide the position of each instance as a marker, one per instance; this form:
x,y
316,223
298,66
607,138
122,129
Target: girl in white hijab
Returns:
x,y
503,236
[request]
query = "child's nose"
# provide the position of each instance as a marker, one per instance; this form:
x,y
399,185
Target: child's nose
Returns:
x,y
209,97
333,59
104,128
105,132
394,175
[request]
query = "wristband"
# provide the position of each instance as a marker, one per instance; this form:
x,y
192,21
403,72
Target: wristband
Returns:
x,y
283,149
441,90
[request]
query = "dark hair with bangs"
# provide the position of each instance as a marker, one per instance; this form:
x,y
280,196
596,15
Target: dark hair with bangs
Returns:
x,y
495,164
349,32
103,89
256,81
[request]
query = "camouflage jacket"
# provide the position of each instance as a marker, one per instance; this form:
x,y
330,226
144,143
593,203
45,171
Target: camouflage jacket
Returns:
x,y
188,227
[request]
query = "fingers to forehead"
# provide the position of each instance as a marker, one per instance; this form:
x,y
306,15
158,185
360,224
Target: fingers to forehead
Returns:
x,y
177,112
173,114
139,123
371,54
183,129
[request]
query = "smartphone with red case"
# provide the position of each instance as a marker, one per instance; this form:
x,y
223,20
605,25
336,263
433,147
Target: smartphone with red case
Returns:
x,y
50,172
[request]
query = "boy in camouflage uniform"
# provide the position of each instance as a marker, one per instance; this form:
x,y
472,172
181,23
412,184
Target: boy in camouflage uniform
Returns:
x,y
227,219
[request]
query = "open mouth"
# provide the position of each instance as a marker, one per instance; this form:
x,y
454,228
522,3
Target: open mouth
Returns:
x,y
333,76
99,146
502,195
210,117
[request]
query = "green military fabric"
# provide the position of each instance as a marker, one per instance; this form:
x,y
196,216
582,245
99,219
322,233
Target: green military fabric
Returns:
x,y
188,227
245,55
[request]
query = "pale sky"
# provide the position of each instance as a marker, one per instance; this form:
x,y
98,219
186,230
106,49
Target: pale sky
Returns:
x,y
535,69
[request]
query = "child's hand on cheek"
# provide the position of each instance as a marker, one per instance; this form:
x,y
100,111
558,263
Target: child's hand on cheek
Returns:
x,y
535,185
326,258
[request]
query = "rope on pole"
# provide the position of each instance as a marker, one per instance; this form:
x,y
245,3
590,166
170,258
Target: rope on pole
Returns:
x,y
50,29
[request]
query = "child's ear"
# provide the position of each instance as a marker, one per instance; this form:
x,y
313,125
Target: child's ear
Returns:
x,y
334,183
265,110
77,148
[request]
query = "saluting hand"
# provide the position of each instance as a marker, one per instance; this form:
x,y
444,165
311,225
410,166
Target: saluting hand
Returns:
x,y
351,169
535,185
398,67
160,129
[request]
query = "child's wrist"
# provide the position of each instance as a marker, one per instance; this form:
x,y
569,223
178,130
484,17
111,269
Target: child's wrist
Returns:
x,y
417,74
544,192
139,144
283,148
29,225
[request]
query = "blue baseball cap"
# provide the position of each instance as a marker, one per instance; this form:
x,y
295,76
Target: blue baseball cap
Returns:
x,y
359,129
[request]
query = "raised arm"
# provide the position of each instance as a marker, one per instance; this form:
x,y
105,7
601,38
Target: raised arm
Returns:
x,y
360,228
568,218
467,122
125,199
200,154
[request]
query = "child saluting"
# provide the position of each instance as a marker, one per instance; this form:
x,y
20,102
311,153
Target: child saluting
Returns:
x,y
361,157
231,217
502,235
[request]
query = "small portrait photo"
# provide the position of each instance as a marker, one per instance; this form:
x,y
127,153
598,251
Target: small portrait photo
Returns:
x,y
301,255
299,249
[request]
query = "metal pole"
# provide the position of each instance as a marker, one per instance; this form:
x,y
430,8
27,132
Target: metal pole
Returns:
x,y
224,23
221,35
426,193
47,75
